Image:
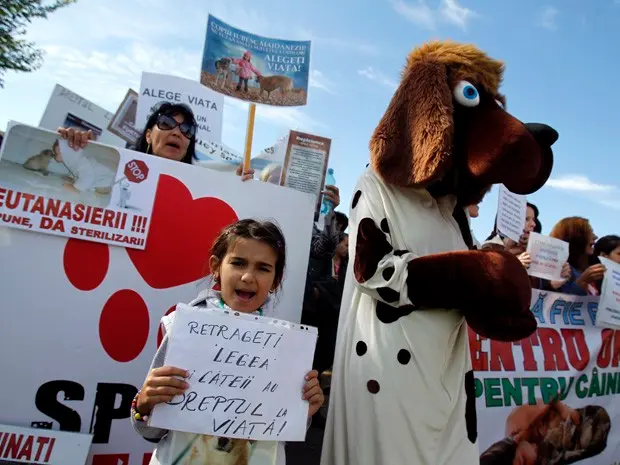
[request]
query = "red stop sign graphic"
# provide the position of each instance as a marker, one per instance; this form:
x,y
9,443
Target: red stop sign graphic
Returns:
x,y
136,171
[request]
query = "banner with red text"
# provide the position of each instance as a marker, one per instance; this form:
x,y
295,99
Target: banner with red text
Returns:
x,y
99,193
568,358
34,446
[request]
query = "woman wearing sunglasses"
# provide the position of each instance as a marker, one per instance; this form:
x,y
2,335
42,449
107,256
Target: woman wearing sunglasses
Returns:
x,y
170,132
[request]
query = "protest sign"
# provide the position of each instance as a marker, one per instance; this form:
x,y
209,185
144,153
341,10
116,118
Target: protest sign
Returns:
x,y
48,187
511,212
567,356
609,306
123,123
253,68
207,106
305,164
548,256
247,381
97,308
267,164
66,109
35,446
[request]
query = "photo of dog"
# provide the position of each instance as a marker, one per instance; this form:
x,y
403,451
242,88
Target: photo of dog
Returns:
x,y
212,450
271,83
40,162
550,434
222,71
56,171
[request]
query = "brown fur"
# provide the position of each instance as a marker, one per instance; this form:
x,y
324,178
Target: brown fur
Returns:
x,y
271,83
40,162
425,140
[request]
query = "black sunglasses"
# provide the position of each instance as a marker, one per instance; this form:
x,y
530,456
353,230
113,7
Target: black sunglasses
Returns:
x,y
168,123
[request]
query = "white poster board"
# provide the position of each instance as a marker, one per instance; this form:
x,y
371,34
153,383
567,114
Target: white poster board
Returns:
x,y
208,106
247,381
548,256
97,308
511,212
68,109
41,446
48,187
609,304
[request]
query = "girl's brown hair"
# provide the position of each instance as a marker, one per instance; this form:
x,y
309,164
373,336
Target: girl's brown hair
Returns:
x,y
579,234
263,231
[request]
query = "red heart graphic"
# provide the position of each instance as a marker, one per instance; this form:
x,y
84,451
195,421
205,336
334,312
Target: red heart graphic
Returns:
x,y
180,236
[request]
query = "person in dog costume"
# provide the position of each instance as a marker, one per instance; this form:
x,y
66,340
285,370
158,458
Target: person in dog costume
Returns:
x,y
403,386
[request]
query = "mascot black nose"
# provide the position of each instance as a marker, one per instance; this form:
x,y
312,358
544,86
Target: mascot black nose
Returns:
x,y
222,442
544,135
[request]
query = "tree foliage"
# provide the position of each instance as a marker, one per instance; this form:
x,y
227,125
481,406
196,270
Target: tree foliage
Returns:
x,y
17,53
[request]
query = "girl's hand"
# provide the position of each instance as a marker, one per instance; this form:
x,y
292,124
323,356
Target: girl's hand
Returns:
x,y
525,260
161,385
77,140
591,275
249,174
313,392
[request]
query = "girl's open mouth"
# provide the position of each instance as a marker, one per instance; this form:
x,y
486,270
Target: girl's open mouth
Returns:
x,y
245,295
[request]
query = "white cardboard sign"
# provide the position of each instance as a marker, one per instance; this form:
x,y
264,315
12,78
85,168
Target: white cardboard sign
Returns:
x,y
68,109
101,193
511,212
246,375
608,314
43,446
548,256
207,105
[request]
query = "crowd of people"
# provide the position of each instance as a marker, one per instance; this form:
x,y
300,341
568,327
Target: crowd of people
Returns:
x,y
583,273
170,132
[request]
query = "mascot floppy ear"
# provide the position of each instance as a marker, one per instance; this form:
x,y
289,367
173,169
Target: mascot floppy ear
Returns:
x,y
411,145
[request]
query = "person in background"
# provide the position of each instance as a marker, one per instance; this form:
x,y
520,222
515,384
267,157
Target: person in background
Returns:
x,y
580,236
341,258
607,247
472,211
497,241
170,132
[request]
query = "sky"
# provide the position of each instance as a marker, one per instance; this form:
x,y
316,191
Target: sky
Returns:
x,y
561,62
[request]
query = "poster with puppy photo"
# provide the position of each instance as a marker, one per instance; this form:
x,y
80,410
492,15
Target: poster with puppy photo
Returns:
x,y
99,193
253,68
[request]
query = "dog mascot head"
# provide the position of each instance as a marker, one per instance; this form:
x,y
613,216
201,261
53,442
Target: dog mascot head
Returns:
x,y
447,130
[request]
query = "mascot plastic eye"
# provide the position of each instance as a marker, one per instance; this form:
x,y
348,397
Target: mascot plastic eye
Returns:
x,y
466,94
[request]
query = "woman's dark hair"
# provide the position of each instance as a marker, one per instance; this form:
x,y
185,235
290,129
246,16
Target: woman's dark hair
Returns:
x,y
537,228
606,245
263,231
167,108
577,232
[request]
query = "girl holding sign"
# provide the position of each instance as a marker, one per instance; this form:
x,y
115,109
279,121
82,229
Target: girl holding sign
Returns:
x,y
247,263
